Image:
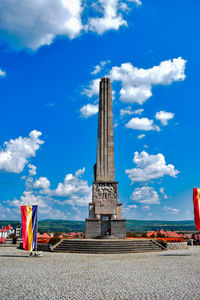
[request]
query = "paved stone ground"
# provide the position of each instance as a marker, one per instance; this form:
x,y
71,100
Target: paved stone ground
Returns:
x,y
174,274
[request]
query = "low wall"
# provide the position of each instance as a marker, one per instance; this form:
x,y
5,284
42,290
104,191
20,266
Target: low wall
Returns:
x,y
40,247
174,246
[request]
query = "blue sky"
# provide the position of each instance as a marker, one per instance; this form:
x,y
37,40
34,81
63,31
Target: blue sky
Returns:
x,y
52,56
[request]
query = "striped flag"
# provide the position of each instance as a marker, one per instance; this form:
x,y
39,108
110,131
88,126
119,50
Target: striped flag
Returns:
x,y
29,226
196,202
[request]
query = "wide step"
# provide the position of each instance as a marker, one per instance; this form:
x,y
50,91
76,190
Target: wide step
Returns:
x,y
106,246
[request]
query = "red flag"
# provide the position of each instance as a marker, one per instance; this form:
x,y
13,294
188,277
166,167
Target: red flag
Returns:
x,y
29,226
196,202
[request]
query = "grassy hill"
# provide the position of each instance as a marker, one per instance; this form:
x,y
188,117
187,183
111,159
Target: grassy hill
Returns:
x,y
132,225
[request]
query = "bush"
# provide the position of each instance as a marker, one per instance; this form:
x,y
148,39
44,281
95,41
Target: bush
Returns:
x,y
131,234
160,235
144,234
57,234
54,240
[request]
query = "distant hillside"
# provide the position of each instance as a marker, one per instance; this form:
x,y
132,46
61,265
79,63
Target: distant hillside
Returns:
x,y
142,225
132,225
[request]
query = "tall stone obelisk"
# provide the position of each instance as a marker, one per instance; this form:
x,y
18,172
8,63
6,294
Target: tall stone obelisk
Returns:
x,y
105,169
105,213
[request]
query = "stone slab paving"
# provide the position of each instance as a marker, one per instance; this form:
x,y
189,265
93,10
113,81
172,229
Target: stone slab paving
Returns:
x,y
174,274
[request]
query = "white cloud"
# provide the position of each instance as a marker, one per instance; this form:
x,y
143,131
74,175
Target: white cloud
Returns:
x,y
145,195
170,210
74,189
141,136
124,7
31,24
73,195
162,191
149,167
164,116
128,111
2,73
16,153
146,207
132,206
28,198
99,67
137,83
42,183
111,19
138,111
142,124
138,2
89,110
80,172
35,23
32,169
93,88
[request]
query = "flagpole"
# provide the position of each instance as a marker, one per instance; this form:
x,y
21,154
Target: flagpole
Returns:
x,y
37,228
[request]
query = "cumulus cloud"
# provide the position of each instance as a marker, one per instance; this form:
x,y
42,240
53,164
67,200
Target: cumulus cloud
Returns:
x,y
89,110
145,195
31,24
164,117
93,88
32,170
99,67
150,167
142,124
73,194
15,154
111,19
137,83
29,198
42,183
35,23
75,189
171,210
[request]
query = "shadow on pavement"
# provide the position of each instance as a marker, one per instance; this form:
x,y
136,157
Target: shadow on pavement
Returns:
x,y
176,255
7,255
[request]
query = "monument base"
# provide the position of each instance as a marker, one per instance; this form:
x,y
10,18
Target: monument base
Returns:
x,y
94,228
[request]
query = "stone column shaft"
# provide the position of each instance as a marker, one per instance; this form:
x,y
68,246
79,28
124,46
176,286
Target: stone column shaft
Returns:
x,y
105,169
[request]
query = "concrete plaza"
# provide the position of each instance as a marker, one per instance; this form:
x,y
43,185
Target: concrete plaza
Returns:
x,y
173,274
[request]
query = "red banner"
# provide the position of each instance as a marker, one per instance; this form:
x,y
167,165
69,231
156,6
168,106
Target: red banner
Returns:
x,y
196,202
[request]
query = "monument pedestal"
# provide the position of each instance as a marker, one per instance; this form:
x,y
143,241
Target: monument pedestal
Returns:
x,y
93,229
105,213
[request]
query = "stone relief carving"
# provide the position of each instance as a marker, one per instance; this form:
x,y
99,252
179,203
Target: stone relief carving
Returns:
x,y
105,191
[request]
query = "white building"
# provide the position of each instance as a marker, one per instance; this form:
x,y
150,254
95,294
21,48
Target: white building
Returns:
x,y
6,231
18,231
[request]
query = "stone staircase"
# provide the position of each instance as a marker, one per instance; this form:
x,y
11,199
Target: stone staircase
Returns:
x,y
107,246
